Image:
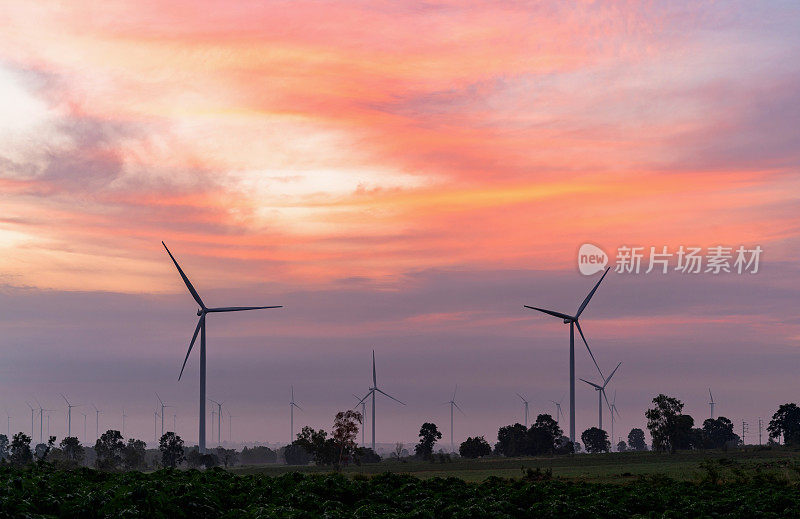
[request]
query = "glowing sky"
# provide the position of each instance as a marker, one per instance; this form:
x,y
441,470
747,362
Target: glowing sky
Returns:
x,y
402,176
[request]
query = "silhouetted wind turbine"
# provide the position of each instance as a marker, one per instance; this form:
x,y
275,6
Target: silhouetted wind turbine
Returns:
x,y
453,403
84,425
601,394
219,421
69,414
96,422
572,321
292,405
525,402
363,417
201,329
163,405
372,392
711,403
124,416
613,411
32,411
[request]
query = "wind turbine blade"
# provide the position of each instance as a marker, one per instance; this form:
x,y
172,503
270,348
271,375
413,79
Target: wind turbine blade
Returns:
x,y
580,331
390,396
297,406
615,410
454,392
522,398
586,301
159,400
712,396
191,344
551,312
591,383
374,377
606,398
365,397
462,412
186,281
611,375
240,308
62,396
614,400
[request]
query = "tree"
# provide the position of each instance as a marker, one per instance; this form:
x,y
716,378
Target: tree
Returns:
x,y
3,446
786,422
682,435
398,450
476,447
543,436
367,455
345,431
717,432
296,454
20,450
171,447
512,440
227,456
595,440
428,434
622,446
72,449
668,430
258,455
564,446
110,450
636,440
133,456
318,445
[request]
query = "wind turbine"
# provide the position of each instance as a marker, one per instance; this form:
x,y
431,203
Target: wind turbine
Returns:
x,y
213,419
155,426
69,414
97,422
558,410
525,402
163,405
230,425
711,403
453,403
572,321
292,405
41,420
124,416
8,419
32,411
372,392
601,394
363,417
84,424
613,411
201,329
219,421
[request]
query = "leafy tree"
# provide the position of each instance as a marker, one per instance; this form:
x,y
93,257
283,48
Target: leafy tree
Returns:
x,y
543,436
564,446
622,446
512,440
317,443
717,432
42,450
171,447
668,427
296,454
636,440
258,455
596,440
345,432
72,449
683,436
577,447
110,450
209,460
4,443
428,434
786,422
367,455
476,447
20,450
227,456
133,456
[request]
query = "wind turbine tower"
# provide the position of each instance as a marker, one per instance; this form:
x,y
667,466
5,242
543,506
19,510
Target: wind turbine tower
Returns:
x,y
219,421
96,422
69,414
363,418
525,403
572,321
375,389
453,403
601,394
711,403
292,405
163,405
201,329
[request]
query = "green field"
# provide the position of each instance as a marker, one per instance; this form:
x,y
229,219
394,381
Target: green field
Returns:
x,y
605,468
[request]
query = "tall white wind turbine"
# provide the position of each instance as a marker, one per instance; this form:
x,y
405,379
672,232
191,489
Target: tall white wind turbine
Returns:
x,y
96,422
32,412
453,404
372,392
292,405
572,321
201,329
525,403
163,405
711,403
613,411
219,421
69,414
601,394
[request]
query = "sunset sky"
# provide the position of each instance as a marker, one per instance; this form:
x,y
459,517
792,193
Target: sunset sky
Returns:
x,y
402,176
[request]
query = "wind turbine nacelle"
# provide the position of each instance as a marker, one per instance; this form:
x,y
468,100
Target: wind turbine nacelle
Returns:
x,y
199,312
567,321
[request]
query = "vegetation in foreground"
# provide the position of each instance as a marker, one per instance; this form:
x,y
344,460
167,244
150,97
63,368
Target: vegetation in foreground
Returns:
x,y
47,492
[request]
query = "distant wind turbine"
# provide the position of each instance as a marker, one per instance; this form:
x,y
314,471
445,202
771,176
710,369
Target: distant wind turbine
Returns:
x,y
32,411
525,402
8,419
201,329
163,405
292,405
124,416
558,410
613,411
96,422
363,417
453,403
155,426
230,425
572,321
219,421
69,414
601,394
84,425
372,392
711,403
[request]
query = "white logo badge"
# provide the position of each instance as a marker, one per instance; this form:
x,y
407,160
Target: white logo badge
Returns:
x,y
591,259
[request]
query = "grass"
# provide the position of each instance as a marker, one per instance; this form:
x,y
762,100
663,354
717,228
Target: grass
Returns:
x,y
616,467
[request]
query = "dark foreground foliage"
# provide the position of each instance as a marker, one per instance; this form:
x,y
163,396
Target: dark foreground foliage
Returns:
x,y
87,493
